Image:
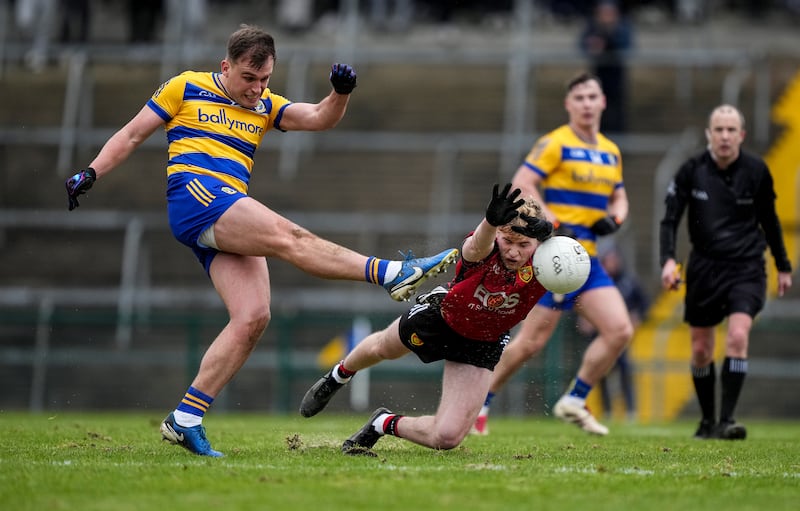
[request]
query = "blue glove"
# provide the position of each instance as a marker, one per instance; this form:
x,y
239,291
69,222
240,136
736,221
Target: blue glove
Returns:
x,y
343,78
78,184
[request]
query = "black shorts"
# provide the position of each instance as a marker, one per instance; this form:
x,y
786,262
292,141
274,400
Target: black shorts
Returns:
x,y
424,331
715,289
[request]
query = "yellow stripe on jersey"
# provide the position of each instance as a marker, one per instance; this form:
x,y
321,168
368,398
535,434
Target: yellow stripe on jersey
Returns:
x,y
208,133
578,178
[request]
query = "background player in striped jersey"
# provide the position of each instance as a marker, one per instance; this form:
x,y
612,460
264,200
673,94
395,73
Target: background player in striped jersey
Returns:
x,y
214,123
465,324
579,172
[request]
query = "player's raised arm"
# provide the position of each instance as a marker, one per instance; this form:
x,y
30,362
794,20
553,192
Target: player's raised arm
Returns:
x,y
329,111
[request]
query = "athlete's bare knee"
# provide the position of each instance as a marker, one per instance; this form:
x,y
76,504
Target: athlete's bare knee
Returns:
x,y
625,334
252,323
530,346
448,438
738,338
702,355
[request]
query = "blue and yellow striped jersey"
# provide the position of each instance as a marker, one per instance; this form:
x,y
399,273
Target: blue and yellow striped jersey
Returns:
x,y
208,133
578,179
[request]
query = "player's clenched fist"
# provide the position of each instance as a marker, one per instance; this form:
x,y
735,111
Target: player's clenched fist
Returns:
x,y
78,184
343,78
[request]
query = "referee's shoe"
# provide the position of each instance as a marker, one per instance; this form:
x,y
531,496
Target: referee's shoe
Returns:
x,y
731,430
415,271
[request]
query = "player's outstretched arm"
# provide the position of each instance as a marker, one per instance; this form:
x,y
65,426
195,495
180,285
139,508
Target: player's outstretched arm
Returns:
x,y
114,151
327,113
502,208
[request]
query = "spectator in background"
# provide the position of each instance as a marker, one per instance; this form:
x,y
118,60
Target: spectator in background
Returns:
x,y
75,19
143,17
606,41
35,18
391,15
638,303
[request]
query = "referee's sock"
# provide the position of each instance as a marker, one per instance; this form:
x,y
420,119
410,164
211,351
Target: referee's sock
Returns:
x,y
704,379
731,377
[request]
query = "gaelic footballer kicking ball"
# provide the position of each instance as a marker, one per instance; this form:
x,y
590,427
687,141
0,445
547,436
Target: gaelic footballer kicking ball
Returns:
x,y
561,264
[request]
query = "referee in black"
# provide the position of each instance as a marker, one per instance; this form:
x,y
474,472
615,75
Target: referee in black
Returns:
x,y
731,221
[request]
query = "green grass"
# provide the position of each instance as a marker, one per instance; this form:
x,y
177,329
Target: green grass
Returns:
x,y
117,462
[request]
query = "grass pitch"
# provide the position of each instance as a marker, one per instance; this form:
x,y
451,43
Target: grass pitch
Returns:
x,y
117,462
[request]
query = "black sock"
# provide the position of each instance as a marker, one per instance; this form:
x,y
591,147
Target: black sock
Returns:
x,y
732,378
704,379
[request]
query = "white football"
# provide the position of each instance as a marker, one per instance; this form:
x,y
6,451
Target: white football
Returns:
x,y
561,264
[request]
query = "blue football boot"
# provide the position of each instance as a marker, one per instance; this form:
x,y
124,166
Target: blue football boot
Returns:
x,y
415,271
193,439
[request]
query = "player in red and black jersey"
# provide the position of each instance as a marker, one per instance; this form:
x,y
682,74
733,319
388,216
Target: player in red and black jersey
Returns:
x,y
466,324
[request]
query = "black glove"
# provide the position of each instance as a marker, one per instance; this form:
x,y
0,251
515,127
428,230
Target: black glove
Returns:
x,y
537,228
343,78
563,230
78,184
502,208
605,225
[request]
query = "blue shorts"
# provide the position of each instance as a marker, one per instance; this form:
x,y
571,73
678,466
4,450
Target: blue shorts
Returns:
x,y
194,203
597,278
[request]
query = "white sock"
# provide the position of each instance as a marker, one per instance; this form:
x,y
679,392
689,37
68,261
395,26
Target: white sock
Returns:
x,y
392,270
575,400
337,376
484,411
187,420
378,423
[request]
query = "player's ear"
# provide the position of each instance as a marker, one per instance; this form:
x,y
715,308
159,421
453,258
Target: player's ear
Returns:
x,y
708,135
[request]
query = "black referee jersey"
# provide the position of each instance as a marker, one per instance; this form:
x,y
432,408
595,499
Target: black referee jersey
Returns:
x,y
731,212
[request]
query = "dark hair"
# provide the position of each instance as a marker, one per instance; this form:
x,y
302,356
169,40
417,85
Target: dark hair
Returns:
x,y
583,78
253,43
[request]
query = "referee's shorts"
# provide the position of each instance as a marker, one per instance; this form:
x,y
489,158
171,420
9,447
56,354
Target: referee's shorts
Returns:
x,y
717,288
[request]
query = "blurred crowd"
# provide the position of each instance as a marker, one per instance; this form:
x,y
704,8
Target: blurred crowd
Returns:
x,y
606,37
70,21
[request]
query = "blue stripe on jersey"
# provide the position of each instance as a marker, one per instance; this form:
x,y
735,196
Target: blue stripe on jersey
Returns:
x,y
573,198
194,93
587,155
535,169
217,81
179,132
277,123
158,110
581,232
220,165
